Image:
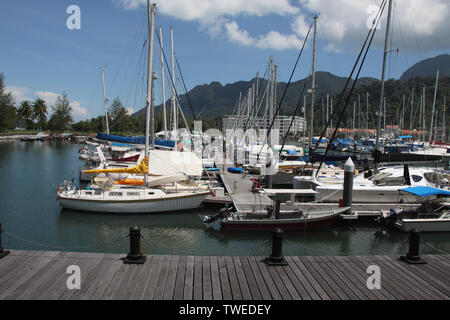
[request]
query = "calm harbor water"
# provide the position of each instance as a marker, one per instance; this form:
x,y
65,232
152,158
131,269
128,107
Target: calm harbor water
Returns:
x,y
33,219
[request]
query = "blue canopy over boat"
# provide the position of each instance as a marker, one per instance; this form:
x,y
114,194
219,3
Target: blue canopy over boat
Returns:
x,y
134,140
422,191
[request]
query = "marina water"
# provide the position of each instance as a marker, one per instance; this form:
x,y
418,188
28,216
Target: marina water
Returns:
x,y
33,220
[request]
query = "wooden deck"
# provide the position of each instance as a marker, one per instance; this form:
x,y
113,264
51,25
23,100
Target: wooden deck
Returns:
x,y
42,275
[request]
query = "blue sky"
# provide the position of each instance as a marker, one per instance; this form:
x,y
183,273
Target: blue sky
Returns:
x,y
215,40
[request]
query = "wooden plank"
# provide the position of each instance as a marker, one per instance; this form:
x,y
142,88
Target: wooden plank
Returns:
x,y
245,290
127,283
334,282
41,281
215,279
305,275
162,279
234,284
89,279
18,281
104,276
88,263
198,278
251,282
259,279
342,280
386,289
287,283
355,275
153,278
313,276
277,281
179,283
189,280
298,285
58,284
224,281
116,280
273,289
20,263
143,275
417,283
170,284
387,280
207,285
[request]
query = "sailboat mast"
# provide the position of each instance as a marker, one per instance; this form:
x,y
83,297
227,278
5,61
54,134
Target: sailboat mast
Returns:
x,y
444,125
411,112
162,83
174,103
380,109
151,15
105,99
313,86
434,104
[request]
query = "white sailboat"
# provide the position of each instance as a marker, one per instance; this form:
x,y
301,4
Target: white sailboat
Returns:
x,y
104,196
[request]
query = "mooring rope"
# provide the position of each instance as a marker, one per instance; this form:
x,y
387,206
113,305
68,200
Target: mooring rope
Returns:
x,y
43,245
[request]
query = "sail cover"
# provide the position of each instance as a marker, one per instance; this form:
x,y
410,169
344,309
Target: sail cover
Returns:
x,y
141,168
162,163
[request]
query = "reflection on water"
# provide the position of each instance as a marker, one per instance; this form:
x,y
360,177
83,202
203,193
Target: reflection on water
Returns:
x,y
30,172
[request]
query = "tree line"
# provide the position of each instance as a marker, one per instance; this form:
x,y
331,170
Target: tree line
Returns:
x,y
32,115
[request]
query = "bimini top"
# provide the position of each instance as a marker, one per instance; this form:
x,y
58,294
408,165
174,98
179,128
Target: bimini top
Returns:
x,y
422,191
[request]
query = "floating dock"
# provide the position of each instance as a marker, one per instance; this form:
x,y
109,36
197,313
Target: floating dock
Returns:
x,y
42,275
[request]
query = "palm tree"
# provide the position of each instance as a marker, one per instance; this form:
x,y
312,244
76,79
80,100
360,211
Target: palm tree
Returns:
x,y
40,112
26,114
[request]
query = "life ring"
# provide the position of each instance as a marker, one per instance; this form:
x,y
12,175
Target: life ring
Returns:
x,y
213,192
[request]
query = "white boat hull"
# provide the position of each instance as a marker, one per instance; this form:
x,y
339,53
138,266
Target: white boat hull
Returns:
x,y
366,195
423,225
176,202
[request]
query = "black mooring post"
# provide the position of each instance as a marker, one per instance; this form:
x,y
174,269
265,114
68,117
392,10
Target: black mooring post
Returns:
x,y
135,256
413,257
2,252
276,258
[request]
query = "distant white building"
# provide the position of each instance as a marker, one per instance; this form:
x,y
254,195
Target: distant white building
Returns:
x,y
281,123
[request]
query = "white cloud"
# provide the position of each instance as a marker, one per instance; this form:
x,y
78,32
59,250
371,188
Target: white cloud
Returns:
x,y
271,40
130,111
78,112
19,93
48,96
218,18
416,24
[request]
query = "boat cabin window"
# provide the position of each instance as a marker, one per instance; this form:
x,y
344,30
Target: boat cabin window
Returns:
x,y
132,193
416,178
89,193
151,193
115,194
